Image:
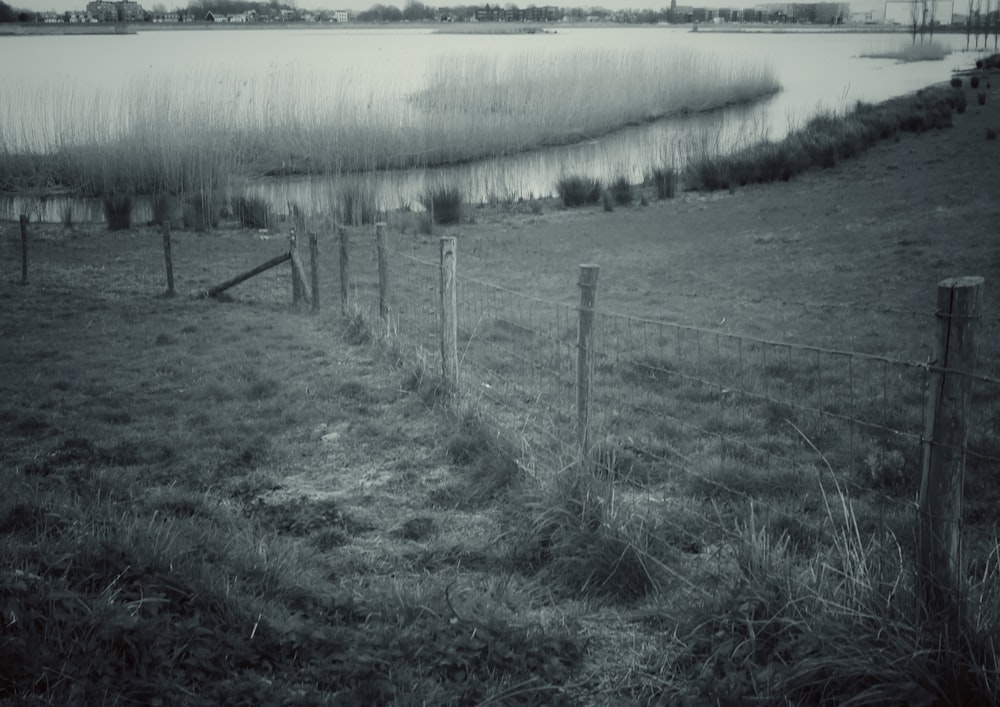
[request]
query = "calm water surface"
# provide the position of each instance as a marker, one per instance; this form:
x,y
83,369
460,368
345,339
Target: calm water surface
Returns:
x,y
818,71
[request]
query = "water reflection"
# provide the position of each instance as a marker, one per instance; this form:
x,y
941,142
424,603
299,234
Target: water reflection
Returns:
x,y
633,152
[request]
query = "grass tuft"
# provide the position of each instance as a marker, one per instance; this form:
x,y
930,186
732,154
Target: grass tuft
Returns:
x,y
201,212
578,191
118,211
253,212
581,536
444,203
358,205
664,180
621,190
163,208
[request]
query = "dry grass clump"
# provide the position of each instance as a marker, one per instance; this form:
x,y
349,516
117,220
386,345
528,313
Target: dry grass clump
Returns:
x,y
444,203
841,627
118,211
575,190
580,533
253,212
664,180
358,202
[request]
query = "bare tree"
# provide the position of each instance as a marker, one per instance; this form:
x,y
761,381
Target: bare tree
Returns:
x,y
986,22
996,26
915,17
932,18
977,21
968,23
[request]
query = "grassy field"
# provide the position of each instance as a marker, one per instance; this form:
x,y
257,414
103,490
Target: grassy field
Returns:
x,y
236,502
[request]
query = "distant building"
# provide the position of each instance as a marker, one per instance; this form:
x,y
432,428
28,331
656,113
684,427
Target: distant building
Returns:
x,y
825,13
549,13
340,16
116,11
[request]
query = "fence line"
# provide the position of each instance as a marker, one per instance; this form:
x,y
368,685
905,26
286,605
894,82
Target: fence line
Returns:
x,y
732,414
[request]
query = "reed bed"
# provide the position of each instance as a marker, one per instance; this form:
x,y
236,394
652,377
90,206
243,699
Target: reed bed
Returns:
x,y
908,51
186,134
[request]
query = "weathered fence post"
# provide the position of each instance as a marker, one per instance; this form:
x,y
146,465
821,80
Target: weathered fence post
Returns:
x,y
24,249
584,359
293,248
383,272
314,269
939,507
168,258
300,286
345,259
449,315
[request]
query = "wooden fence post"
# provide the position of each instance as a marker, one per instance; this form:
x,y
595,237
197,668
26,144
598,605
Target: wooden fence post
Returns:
x,y
449,315
298,272
939,507
383,272
345,259
293,248
584,359
314,269
168,258
24,249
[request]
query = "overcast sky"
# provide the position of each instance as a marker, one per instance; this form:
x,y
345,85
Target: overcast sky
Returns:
x,y
357,5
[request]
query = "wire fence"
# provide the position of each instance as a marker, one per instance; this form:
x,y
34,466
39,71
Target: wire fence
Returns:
x,y
695,409
674,410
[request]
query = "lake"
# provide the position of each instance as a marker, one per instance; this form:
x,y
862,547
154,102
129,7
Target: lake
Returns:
x,y
818,71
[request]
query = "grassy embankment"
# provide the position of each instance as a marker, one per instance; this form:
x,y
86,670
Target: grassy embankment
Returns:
x,y
190,134
223,502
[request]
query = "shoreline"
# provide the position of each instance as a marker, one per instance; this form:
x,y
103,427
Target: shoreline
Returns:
x,y
15,29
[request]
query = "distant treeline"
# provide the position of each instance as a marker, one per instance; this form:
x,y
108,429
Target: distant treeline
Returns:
x,y
10,14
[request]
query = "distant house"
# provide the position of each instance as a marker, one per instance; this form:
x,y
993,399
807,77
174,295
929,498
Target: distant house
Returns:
x,y
51,18
80,17
548,13
340,16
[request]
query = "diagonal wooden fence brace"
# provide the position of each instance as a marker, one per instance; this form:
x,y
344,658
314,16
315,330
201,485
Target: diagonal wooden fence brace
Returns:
x,y
273,262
